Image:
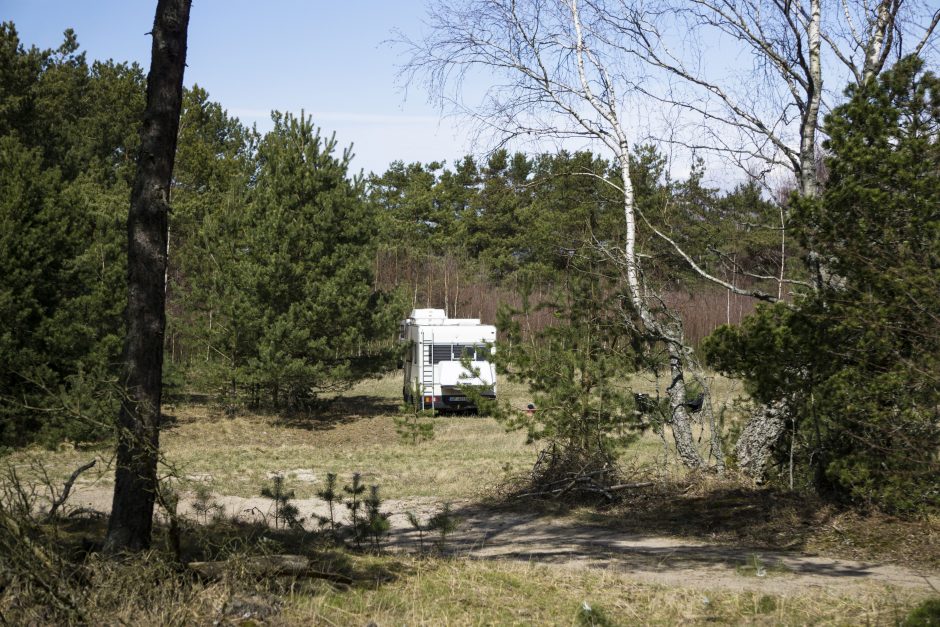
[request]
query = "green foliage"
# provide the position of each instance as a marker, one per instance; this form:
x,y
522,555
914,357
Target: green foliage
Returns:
x,y
575,369
414,424
67,131
357,521
271,248
493,229
308,266
286,513
927,614
204,504
444,522
593,616
857,362
367,520
415,523
207,302
376,523
567,208
332,498
272,297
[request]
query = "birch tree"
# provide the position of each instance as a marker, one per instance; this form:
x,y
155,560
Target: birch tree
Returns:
x,y
795,56
766,118
553,76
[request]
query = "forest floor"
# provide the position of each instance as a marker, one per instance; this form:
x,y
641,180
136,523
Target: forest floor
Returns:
x,y
584,539
686,549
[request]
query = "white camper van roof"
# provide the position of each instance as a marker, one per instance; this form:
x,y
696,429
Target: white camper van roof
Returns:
x,y
438,318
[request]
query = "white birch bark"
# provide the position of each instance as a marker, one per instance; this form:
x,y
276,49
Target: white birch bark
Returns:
x,y
808,169
556,86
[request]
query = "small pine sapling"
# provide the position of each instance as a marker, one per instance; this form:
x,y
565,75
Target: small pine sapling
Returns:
x,y
444,522
376,520
415,522
354,505
575,369
204,505
414,424
285,512
169,499
328,494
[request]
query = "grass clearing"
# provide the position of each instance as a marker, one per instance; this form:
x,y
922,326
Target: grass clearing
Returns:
x,y
433,590
468,459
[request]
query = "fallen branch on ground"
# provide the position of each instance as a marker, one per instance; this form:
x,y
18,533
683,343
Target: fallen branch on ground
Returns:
x,y
66,490
267,566
589,487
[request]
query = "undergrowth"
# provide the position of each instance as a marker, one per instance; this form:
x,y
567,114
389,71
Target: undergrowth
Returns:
x,y
151,589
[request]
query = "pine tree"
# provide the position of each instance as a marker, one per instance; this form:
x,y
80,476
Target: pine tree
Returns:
x,y
307,269
576,371
69,132
207,305
857,361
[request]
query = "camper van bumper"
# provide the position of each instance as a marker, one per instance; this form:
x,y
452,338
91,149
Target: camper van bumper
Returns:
x,y
453,402
458,402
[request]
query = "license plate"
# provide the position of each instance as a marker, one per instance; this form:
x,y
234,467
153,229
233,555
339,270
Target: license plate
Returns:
x,y
457,399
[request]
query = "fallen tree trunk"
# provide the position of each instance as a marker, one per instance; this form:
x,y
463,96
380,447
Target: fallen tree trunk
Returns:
x,y
266,566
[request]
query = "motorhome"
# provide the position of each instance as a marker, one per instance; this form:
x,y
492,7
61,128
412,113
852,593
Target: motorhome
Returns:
x,y
440,349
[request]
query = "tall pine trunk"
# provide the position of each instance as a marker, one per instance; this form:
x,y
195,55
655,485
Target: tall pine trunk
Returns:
x,y
139,421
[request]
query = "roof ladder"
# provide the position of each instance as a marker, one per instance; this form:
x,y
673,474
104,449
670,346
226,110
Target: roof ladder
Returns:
x,y
427,369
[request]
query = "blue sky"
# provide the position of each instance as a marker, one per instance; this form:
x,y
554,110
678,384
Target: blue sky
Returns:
x,y
332,59
325,57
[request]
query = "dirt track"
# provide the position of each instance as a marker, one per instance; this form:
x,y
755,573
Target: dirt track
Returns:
x,y
566,543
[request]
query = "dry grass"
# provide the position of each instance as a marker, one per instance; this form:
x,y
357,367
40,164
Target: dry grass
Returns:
x,y
356,434
462,592
406,590
468,456
471,457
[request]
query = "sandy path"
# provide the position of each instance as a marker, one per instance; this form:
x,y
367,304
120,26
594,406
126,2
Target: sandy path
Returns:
x,y
565,542
672,561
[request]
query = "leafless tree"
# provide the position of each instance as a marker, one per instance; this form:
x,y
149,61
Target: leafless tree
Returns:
x,y
549,74
572,69
770,114
768,110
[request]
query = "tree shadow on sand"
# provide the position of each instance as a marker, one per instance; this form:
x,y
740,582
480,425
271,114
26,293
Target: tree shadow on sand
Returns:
x,y
677,548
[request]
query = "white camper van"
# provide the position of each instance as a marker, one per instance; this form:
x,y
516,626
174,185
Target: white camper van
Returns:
x,y
433,364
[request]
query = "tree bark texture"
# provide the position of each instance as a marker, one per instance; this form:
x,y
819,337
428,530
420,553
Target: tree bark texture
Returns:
x,y
809,175
757,440
135,484
680,419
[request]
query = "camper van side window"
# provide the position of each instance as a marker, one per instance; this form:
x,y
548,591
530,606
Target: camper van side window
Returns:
x,y
440,352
